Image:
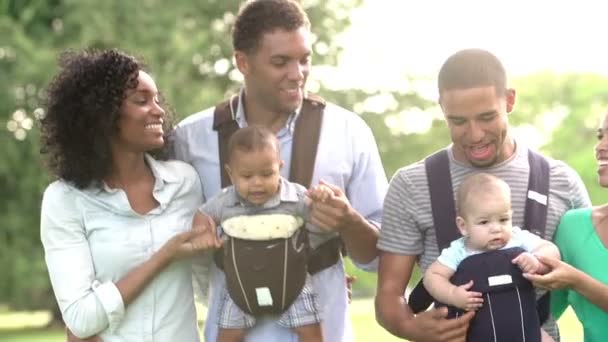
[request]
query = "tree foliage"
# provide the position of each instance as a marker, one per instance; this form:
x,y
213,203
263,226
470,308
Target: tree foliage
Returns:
x,y
186,45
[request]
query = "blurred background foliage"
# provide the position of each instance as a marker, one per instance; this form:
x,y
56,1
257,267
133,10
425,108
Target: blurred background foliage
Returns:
x,y
187,46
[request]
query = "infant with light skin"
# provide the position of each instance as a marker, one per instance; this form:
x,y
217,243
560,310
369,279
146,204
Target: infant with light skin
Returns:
x,y
484,220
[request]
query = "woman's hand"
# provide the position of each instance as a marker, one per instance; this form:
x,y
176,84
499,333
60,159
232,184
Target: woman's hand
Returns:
x,y
527,262
205,233
202,237
560,275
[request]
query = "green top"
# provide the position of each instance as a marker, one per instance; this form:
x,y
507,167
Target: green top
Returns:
x,y
581,247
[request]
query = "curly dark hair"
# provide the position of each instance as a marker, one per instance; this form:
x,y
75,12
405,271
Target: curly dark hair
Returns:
x,y
258,17
81,112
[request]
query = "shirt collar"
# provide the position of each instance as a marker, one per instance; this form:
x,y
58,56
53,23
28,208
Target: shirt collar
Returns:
x,y
241,120
161,173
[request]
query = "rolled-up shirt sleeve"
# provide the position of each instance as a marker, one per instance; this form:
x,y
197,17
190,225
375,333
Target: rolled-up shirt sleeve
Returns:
x,y
88,306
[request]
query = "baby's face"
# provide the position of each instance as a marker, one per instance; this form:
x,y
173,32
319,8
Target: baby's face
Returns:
x,y
487,223
256,174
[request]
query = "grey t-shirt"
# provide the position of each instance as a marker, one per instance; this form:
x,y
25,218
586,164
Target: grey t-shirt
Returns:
x,y
407,221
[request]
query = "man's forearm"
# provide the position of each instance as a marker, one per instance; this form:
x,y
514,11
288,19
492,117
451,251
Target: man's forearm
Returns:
x,y
394,315
360,239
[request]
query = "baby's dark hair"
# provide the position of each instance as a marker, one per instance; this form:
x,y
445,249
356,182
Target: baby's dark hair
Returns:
x,y
82,109
252,138
259,17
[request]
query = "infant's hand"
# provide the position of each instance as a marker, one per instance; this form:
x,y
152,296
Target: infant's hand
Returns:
x,y
527,262
319,193
204,235
465,299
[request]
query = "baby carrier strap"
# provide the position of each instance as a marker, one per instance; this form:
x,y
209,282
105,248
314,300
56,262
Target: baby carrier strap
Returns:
x,y
224,122
535,214
509,311
437,168
306,134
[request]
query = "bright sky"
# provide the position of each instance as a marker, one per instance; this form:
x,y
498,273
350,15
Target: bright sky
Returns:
x,y
393,38
390,40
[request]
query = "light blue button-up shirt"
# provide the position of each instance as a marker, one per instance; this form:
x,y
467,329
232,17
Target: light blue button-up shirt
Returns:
x,y
92,238
347,157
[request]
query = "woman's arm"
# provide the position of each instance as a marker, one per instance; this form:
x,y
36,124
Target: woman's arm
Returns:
x,y
89,306
562,275
590,288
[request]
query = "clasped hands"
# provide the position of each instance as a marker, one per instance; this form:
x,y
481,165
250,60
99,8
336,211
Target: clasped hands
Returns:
x,y
330,209
202,237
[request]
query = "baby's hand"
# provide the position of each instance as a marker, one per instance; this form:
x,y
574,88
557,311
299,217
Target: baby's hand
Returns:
x,y
204,235
527,262
465,299
319,193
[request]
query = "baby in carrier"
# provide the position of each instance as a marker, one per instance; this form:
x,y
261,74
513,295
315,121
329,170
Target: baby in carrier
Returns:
x,y
483,269
264,257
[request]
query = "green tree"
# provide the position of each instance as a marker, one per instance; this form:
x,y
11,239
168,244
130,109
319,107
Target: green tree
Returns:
x,y
187,47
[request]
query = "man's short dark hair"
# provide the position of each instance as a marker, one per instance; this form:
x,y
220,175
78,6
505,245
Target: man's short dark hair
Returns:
x,y
252,138
472,68
258,17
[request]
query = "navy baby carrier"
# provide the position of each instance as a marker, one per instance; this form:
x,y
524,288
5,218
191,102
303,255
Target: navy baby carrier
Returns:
x,y
508,312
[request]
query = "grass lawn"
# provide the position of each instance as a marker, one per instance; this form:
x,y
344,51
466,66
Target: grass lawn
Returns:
x,y
366,328
362,314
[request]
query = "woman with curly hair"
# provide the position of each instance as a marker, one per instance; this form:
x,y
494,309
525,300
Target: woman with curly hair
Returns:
x,y
116,224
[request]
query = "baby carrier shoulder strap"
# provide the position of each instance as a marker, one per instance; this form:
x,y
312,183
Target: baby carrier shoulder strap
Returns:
x,y
305,137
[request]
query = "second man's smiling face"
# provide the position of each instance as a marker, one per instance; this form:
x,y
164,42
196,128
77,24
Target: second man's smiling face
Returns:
x,y
478,124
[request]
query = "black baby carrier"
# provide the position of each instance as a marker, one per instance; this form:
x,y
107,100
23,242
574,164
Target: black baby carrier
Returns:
x,y
266,276
508,297
509,311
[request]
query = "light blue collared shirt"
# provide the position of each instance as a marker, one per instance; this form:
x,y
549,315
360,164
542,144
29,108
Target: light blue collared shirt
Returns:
x,y
92,238
347,157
